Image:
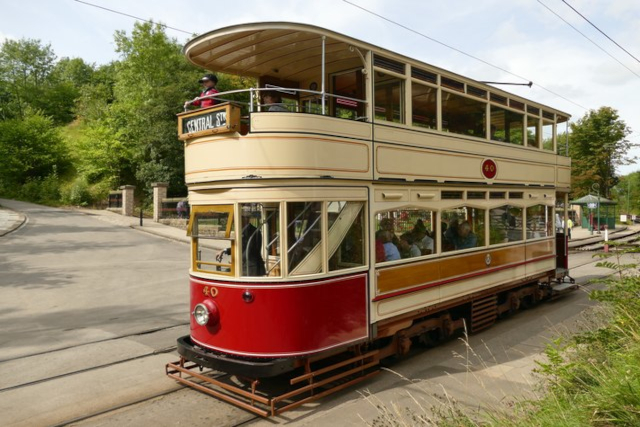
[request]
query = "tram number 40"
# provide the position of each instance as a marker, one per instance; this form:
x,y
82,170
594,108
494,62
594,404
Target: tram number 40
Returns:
x,y
213,120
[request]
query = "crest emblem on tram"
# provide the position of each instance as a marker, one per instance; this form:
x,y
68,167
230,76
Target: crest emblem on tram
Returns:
x,y
487,259
489,169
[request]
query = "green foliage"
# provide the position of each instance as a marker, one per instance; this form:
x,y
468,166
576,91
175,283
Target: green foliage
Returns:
x,y
627,193
152,81
597,145
45,190
24,68
118,119
31,149
594,378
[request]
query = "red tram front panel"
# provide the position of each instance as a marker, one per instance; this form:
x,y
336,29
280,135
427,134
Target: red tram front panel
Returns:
x,y
281,319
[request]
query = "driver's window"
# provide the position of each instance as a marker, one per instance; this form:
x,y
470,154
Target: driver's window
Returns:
x,y
212,239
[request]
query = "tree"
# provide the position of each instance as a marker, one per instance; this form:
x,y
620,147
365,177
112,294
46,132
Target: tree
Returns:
x,y
24,68
597,145
627,193
152,82
30,148
30,78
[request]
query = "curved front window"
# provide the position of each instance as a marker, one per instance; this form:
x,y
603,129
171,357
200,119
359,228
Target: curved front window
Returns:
x,y
250,240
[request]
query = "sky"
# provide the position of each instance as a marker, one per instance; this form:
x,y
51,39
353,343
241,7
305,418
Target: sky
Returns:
x,y
524,37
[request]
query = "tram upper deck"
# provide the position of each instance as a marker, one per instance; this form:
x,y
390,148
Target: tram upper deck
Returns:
x,y
356,111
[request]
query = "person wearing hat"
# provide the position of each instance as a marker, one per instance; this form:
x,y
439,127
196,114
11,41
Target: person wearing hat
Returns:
x,y
208,82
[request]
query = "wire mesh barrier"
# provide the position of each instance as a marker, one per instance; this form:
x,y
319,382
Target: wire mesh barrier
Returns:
x,y
114,200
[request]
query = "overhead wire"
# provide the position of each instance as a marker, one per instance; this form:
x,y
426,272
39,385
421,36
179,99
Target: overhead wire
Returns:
x,y
583,35
132,16
602,32
462,52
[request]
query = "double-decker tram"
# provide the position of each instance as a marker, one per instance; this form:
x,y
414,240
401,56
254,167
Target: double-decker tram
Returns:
x,y
369,203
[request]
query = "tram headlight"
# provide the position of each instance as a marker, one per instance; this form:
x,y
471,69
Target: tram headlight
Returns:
x,y
201,314
206,313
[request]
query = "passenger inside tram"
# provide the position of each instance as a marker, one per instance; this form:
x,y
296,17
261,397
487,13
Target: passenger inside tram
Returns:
x,y
466,238
422,239
408,247
391,252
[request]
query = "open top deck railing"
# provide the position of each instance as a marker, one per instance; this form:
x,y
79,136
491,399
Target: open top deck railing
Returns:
x,y
254,104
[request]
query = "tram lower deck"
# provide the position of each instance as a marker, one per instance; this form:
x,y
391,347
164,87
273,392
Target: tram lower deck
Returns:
x,y
311,270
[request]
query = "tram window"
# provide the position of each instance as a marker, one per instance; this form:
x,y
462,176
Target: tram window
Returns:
x,y
389,99
506,126
304,237
462,228
349,84
404,233
346,239
539,221
463,115
505,224
562,134
533,135
260,239
211,229
425,106
547,135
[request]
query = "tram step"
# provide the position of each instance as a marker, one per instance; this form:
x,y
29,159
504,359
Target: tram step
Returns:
x,y
563,287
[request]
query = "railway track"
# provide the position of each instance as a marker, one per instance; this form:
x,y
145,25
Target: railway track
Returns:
x,y
596,243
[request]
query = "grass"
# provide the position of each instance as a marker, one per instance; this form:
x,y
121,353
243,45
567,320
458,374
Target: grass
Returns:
x,y
589,379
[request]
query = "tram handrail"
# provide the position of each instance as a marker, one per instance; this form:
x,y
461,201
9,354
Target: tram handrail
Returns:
x,y
255,95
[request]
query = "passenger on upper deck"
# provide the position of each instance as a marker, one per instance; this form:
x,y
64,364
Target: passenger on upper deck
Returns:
x,y
209,82
273,101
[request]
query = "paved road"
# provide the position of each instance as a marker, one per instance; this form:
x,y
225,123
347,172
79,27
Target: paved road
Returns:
x,y
90,309
76,293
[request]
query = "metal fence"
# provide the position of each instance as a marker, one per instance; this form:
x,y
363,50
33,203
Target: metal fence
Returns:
x,y
175,208
115,200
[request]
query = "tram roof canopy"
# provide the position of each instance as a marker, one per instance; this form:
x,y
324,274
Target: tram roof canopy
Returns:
x,y
290,51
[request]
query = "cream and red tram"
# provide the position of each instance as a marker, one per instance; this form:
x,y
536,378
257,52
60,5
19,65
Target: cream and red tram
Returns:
x,y
383,201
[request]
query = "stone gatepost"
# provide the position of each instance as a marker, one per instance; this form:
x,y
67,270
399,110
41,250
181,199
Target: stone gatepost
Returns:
x,y
159,193
127,199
